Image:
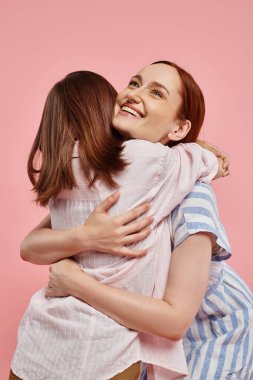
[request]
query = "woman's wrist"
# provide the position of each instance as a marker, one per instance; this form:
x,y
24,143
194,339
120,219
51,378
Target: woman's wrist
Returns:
x,y
79,284
79,237
89,237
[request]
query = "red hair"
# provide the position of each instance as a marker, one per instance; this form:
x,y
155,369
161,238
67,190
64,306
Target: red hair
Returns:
x,y
193,103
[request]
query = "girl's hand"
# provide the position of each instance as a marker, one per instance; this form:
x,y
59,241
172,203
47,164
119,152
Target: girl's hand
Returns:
x,y
112,234
60,278
225,160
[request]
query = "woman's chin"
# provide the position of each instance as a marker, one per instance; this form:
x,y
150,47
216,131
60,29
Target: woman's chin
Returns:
x,y
124,130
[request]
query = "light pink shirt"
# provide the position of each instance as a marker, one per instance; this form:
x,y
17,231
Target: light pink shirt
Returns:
x,y
65,338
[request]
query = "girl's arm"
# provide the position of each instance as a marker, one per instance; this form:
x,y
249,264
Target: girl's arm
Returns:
x,y
168,318
223,158
101,232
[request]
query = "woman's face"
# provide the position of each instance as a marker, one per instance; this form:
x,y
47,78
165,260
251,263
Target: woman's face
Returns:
x,y
147,108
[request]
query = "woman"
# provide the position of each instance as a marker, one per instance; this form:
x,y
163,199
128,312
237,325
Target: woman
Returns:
x,y
49,320
218,344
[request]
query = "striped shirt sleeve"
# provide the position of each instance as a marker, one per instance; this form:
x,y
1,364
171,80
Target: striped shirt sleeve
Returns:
x,y
198,212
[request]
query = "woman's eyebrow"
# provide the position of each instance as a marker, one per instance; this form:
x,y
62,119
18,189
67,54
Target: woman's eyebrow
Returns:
x,y
157,84
137,76
152,84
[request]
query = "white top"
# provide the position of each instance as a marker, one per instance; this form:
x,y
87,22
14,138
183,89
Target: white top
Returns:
x,y
65,338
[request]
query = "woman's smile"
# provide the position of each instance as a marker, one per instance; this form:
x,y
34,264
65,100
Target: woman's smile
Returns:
x,y
128,110
147,108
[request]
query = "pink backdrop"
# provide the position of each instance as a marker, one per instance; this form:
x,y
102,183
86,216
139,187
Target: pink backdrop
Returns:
x,y
42,41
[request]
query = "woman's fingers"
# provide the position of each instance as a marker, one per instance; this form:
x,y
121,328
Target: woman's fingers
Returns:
x,y
132,214
108,202
122,230
125,218
128,252
135,227
135,238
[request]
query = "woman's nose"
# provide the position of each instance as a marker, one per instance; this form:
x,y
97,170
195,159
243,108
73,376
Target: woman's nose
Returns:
x,y
134,95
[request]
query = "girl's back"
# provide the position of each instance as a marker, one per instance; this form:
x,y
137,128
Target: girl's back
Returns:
x,y
75,335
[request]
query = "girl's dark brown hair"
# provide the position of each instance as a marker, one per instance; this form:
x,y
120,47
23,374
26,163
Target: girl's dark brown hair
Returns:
x,y
78,108
193,104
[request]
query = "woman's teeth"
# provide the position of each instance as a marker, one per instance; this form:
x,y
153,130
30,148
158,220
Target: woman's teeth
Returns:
x,y
130,110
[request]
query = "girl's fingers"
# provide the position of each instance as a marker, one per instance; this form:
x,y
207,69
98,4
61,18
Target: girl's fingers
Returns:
x,y
226,172
224,157
226,162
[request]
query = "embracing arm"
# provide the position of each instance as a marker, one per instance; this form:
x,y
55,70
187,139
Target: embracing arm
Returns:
x,y
222,157
101,232
168,318
45,246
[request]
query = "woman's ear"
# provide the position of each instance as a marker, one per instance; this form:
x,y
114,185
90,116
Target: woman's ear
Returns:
x,y
180,131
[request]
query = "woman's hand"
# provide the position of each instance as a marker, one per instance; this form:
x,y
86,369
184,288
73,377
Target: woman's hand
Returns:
x,y
112,234
101,232
60,276
224,157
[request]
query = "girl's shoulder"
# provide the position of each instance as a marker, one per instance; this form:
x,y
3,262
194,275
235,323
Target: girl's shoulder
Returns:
x,y
145,147
148,155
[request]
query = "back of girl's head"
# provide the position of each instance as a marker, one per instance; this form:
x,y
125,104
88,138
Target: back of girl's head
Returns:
x,y
193,103
78,108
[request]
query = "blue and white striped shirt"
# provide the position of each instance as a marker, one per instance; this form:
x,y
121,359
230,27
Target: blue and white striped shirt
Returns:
x,y
219,343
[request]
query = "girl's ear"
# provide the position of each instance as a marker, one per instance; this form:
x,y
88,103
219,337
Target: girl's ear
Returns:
x,y
180,131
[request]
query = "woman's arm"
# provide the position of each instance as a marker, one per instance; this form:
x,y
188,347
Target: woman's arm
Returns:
x,y
101,232
44,246
168,318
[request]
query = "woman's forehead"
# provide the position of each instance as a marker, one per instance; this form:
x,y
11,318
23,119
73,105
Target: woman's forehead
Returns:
x,y
161,73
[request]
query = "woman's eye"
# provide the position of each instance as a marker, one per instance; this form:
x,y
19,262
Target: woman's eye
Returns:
x,y
133,83
157,93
